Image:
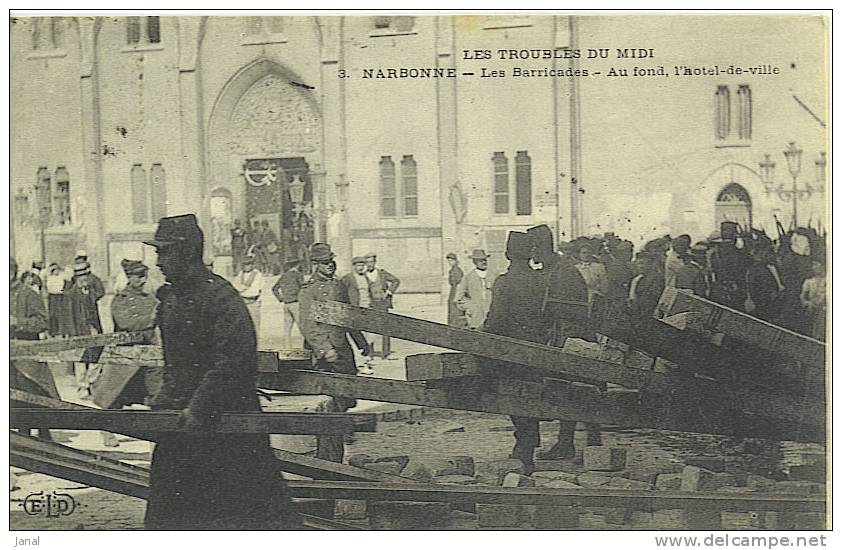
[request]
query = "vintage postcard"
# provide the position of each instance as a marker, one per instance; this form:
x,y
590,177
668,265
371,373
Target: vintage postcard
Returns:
x,y
420,271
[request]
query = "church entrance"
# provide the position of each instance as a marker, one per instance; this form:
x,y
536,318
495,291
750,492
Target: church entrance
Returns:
x,y
278,201
733,204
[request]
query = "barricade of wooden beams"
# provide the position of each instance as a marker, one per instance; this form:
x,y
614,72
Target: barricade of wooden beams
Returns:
x,y
529,385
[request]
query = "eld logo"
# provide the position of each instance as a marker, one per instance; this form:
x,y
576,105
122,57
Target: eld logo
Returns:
x,y
51,505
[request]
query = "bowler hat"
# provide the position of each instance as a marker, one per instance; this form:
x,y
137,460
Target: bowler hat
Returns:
x,y
176,229
358,260
479,254
320,252
81,268
38,265
519,245
133,267
543,237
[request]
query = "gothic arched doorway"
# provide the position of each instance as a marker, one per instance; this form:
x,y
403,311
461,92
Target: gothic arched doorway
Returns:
x,y
264,142
733,203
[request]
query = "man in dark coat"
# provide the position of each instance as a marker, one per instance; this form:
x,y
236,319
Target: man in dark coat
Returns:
x,y
729,265
455,316
83,298
27,319
239,244
200,479
331,350
516,300
566,311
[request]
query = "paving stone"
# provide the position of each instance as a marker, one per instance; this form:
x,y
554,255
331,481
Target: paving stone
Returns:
x,y
513,479
552,475
418,471
592,480
668,482
555,517
492,472
502,515
455,479
360,460
462,465
393,468
604,458
407,516
560,484
714,464
349,509
629,484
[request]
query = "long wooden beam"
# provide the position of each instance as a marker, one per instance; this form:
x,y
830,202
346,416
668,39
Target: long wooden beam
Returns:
x,y
96,470
34,347
558,399
745,328
525,496
527,356
438,369
168,421
68,463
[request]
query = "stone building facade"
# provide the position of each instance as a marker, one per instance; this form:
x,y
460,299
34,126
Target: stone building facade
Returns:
x,y
117,121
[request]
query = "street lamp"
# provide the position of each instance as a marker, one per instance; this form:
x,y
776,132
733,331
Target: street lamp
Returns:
x,y
767,171
793,160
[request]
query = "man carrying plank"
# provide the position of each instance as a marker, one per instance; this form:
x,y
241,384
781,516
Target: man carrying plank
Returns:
x,y
204,480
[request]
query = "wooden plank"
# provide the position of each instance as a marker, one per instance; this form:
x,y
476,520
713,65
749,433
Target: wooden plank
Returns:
x,y
526,496
528,355
64,462
747,329
435,366
32,347
168,421
688,412
140,355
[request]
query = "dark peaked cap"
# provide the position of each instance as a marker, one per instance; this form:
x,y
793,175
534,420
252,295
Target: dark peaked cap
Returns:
x,y
519,245
542,236
133,267
176,229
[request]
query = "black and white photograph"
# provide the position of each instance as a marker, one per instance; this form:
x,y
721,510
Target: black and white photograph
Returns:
x,y
421,271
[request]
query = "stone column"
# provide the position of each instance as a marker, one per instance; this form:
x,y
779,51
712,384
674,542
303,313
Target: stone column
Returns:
x,y
447,143
94,219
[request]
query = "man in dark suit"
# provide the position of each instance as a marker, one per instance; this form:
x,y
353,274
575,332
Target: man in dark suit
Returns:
x,y
384,285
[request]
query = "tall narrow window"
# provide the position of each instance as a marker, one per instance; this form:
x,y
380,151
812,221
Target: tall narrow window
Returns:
x,y
501,183
143,30
47,33
140,194
158,188
722,112
523,184
388,195
744,111
44,196
61,198
409,188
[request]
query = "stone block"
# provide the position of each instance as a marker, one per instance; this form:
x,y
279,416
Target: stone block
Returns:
x,y
560,484
638,360
629,484
555,517
418,471
591,480
604,458
492,472
462,465
712,463
502,515
360,460
694,478
393,468
349,509
668,482
668,519
408,516
513,479
455,479
664,366
550,475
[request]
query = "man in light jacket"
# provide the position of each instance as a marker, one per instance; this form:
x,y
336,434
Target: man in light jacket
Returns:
x,y
473,294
